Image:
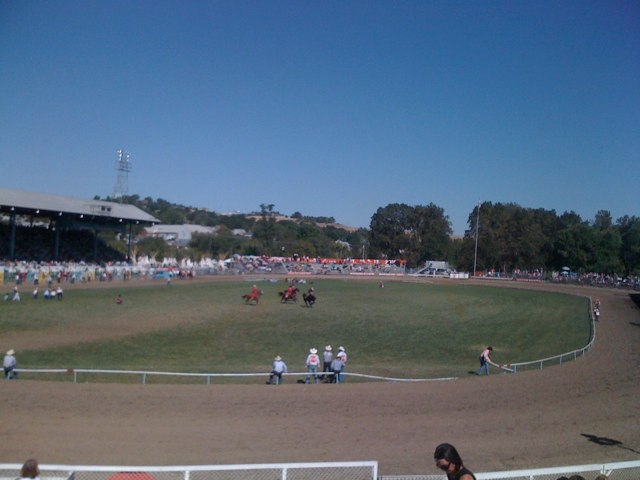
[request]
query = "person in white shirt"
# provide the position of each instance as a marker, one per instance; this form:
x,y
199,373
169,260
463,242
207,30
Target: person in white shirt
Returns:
x,y
279,368
327,358
342,356
313,362
9,365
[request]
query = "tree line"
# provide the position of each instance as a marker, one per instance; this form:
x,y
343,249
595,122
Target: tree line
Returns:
x,y
509,237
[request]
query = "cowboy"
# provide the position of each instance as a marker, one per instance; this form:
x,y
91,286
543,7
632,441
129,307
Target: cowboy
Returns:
x,y
9,365
327,358
313,361
278,368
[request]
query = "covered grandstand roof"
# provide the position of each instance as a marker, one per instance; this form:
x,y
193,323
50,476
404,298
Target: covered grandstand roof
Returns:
x,y
46,205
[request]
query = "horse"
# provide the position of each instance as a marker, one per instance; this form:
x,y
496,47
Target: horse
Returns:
x,y
254,296
309,298
289,295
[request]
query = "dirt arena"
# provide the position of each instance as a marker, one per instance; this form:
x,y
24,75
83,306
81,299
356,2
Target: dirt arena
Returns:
x,y
587,411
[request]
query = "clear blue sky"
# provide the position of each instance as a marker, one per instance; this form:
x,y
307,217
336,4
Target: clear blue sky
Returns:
x,y
331,108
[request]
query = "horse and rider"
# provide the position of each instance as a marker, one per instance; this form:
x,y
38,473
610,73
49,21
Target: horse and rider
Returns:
x,y
309,298
253,296
289,295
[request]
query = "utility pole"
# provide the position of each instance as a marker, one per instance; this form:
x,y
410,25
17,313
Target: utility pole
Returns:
x,y
475,254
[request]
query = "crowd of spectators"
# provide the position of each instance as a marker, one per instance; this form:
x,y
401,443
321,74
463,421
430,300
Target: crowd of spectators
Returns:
x,y
36,244
589,279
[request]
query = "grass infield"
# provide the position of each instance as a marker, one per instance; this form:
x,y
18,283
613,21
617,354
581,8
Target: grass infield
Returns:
x,y
408,330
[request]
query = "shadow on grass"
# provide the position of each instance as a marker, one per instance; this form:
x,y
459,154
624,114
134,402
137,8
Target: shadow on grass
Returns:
x,y
608,442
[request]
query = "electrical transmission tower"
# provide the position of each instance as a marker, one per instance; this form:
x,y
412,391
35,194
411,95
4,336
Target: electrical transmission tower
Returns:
x,y
123,167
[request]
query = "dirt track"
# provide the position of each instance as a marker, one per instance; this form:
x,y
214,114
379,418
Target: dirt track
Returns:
x,y
528,420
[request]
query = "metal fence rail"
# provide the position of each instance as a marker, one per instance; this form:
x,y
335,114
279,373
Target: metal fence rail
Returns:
x,y
563,357
614,471
144,376
365,470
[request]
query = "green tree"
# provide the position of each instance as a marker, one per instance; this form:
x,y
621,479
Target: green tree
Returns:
x,y
629,228
389,234
414,234
431,233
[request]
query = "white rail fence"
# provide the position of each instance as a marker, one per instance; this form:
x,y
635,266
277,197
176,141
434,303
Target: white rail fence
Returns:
x,y
563,357
76,375
613,471
364,470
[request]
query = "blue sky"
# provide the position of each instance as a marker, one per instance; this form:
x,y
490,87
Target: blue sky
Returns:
x,y
331,108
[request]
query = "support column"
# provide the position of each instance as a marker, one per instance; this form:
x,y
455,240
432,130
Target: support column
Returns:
x,y
129,244
95,245
12,240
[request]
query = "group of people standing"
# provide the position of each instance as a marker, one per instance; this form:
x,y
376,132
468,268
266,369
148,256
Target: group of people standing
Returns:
x,y
332,367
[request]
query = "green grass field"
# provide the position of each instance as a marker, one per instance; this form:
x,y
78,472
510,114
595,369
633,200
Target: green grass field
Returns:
x,y
412,330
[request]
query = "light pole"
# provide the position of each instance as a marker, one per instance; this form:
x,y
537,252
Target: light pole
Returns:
x,y
475,254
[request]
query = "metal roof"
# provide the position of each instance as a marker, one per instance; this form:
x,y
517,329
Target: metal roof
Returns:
x,y
46,205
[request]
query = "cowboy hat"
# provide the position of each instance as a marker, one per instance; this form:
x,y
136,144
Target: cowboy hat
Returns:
x,y
313,350
341,349
11,352
328,348
278,358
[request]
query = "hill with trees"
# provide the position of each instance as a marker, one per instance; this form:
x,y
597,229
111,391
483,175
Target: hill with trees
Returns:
x,y
509,237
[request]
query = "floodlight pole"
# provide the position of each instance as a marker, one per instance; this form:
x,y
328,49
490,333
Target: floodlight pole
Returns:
x,y
475,254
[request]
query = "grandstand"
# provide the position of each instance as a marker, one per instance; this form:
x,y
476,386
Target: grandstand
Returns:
x,y
57,214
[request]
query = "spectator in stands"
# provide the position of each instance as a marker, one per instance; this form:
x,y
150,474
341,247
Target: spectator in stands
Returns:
x,y
277,370
448,460
9,364
485,360
327,358
30,470
313,362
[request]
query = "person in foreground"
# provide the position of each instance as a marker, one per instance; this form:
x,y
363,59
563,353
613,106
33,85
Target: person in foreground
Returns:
x,y
30,470
448,459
